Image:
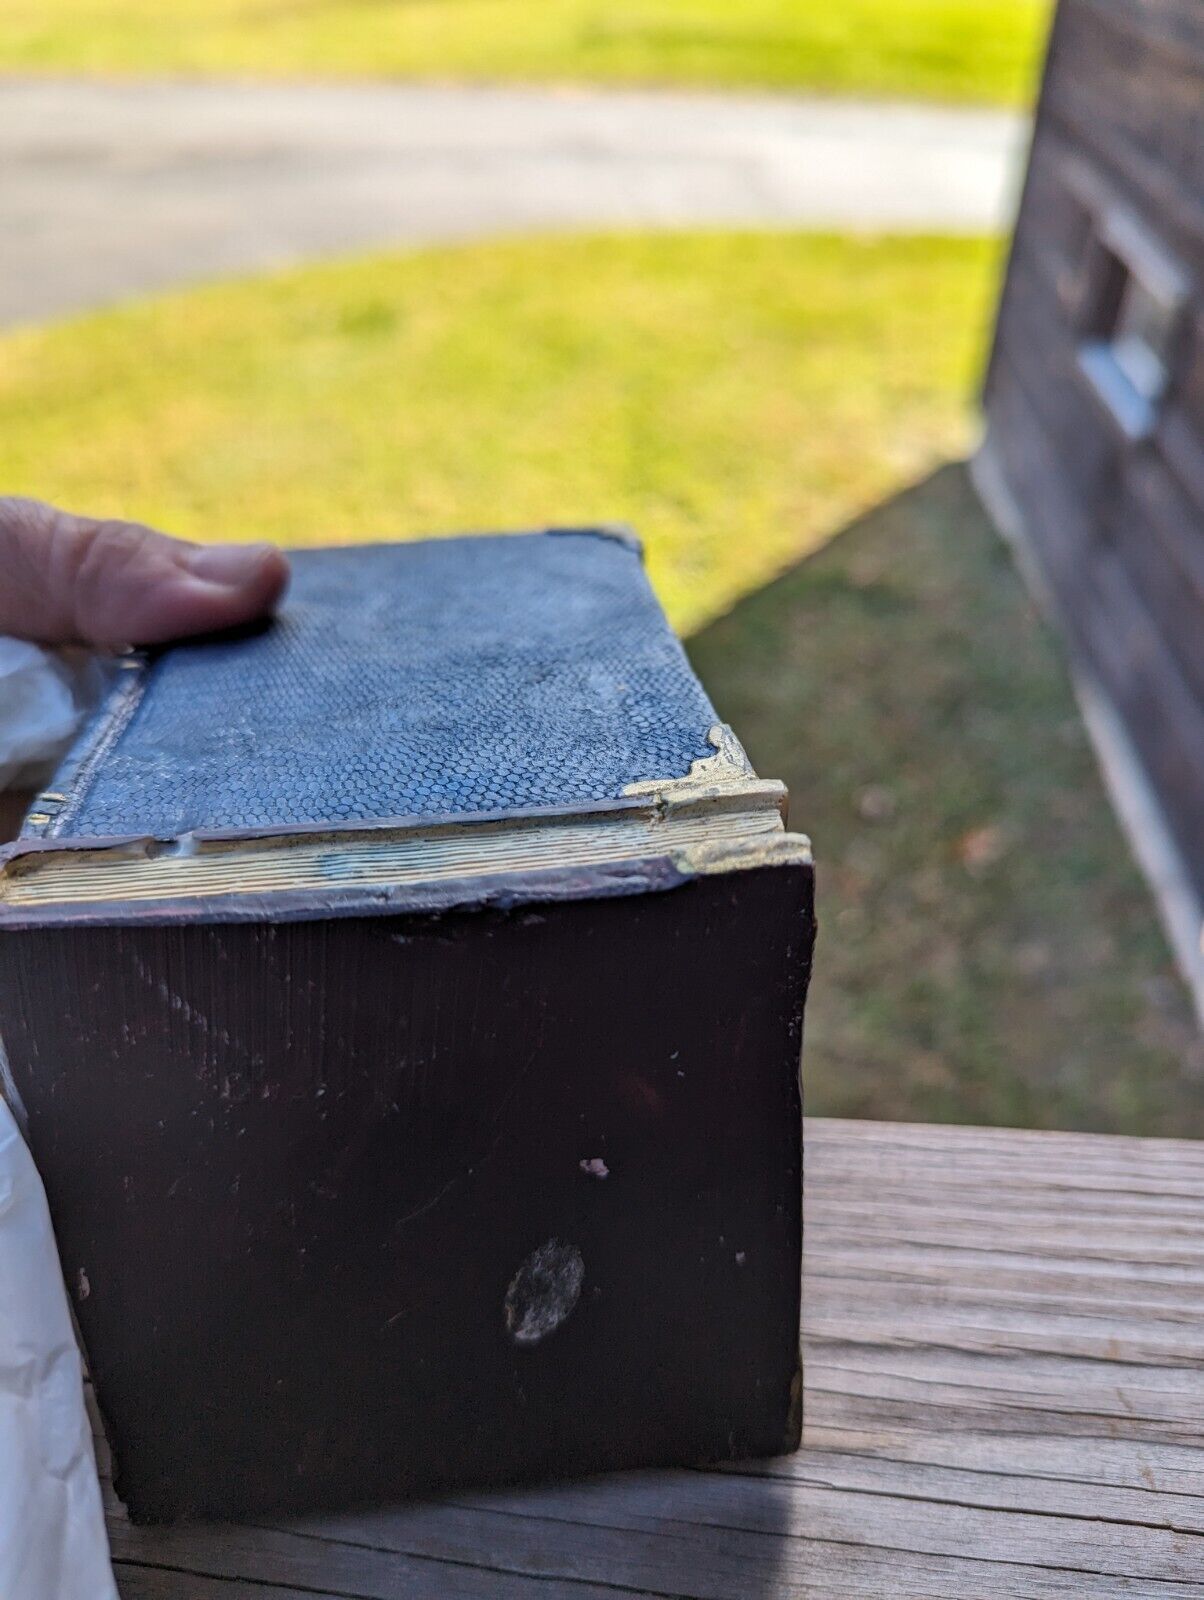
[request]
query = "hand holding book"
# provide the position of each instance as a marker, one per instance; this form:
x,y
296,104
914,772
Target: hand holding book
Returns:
x,y
70,580
353,941
77,580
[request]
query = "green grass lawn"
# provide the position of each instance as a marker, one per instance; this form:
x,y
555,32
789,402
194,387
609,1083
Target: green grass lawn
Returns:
x,y
941,49
736,396
987,950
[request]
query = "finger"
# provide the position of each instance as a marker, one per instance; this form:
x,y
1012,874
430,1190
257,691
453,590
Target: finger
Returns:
x,y
71,580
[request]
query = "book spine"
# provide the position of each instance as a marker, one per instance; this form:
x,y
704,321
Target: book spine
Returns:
x,y
53,809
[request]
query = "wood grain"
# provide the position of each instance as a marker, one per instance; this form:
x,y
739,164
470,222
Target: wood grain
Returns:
x,y
1005,1396
1118,135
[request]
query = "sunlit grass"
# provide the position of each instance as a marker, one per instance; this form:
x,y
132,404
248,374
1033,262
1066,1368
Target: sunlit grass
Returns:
x,y
734,396
943,49
988,951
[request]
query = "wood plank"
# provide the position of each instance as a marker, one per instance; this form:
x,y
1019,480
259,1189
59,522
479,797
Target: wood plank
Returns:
x,y
1180,434
1004,1395
1115,523
1084,442
1132,95
1159,538
1107,620
1136,170
156,1583
860,1472
1175,27
1172,1473
830,1499
1164,718
449,1554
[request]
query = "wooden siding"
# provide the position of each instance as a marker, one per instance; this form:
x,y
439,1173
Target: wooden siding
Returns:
x,y
1116,519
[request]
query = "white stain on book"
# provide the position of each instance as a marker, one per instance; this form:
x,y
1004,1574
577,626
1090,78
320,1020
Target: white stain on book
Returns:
x,y
177,1003
543,1292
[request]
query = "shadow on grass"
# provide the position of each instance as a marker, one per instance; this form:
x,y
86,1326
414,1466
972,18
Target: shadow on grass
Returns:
x,y
988,949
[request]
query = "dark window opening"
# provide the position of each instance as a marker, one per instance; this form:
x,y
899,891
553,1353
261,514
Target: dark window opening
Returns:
x,y
1134,295
1141,339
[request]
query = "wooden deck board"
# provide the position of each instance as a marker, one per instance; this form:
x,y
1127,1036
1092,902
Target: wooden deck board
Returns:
x,y
1004,1396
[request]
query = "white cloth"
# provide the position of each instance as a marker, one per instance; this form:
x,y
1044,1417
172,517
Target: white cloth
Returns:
x,y
39,710
53,1544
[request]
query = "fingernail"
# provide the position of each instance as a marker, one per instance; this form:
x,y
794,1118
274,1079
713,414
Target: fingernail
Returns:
x,y
229,564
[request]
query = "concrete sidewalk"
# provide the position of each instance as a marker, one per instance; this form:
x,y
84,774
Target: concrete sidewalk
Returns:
x,y
110,190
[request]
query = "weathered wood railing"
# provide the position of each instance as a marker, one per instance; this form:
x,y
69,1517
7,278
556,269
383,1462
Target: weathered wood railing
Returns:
x,y
1005,1395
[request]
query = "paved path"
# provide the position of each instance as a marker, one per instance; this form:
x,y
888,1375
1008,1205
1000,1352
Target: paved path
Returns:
x,y
110,190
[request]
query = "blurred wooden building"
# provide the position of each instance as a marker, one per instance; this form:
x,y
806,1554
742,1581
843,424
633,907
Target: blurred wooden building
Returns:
x,y
1095,391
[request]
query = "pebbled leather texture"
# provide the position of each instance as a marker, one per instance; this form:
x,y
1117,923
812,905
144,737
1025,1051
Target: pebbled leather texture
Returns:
x,y
454,675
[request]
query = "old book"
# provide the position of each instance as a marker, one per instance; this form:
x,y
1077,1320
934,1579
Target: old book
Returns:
x,y
404,1001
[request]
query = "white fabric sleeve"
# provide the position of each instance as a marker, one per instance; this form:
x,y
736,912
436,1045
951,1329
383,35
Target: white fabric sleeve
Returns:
x,y
53,1544
40,709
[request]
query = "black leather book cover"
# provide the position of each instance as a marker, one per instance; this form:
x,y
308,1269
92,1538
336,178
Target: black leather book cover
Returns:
x,y
404,1002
